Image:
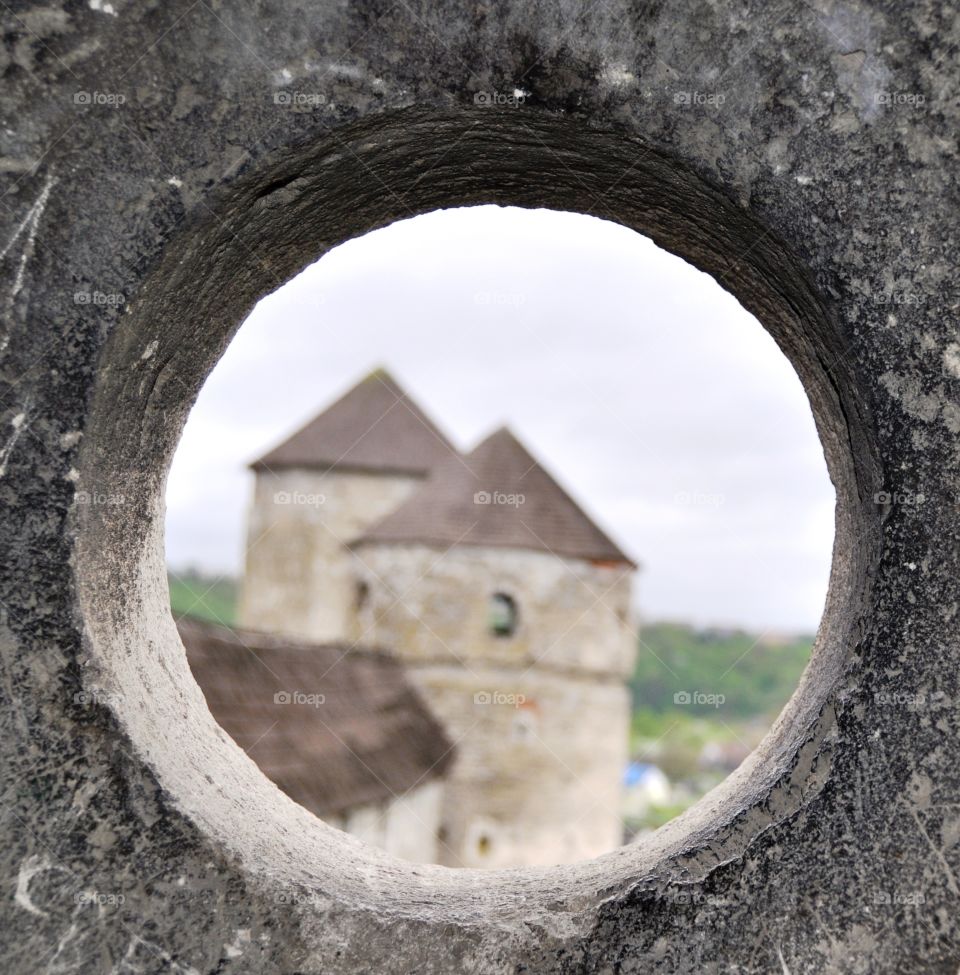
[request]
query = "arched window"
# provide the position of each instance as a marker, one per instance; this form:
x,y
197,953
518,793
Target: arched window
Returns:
x,y
502,614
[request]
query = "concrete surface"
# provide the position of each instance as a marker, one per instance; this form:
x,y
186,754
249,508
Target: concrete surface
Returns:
x,y
803,154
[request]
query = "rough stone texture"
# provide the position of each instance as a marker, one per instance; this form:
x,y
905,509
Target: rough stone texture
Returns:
x,y
540,719
822,192
300,577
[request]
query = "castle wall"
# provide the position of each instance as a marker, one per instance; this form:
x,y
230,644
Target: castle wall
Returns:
x,y
406,826
539,719
572,615
299,577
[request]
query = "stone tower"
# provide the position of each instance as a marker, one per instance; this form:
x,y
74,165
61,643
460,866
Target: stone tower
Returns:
x,y
321,488
510,608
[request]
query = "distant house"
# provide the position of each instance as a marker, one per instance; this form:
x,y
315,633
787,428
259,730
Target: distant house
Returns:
x,y
645,785
507,605
339,730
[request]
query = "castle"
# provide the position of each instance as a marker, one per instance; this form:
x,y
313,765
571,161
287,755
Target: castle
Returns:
x,y
508,608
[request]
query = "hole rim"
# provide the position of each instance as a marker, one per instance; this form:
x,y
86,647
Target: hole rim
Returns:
x,y
141,402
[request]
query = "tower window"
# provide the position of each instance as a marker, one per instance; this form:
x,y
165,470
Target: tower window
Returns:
x,y
361,594
502,616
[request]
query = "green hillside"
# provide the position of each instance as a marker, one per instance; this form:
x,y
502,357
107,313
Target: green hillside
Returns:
x,y
753,674
702,700
208,598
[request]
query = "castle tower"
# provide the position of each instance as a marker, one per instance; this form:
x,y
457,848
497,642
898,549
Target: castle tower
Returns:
x,y
319,489
510,608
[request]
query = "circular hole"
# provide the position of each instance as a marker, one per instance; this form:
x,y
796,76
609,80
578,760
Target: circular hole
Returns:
x,y
263,228
375,523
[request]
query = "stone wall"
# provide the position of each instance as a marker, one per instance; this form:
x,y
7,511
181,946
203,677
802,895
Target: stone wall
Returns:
x,y
406,826
820,189
434,607
299,577
539,718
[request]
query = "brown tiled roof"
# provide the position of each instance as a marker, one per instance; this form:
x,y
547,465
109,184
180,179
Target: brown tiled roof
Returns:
x,y
449,508
363,736
375,426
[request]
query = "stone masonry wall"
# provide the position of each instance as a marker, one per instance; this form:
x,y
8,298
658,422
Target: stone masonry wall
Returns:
x,y
299,577
539,719
405,826
166,165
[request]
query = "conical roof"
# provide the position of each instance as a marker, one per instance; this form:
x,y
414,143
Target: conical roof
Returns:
x,y
497,495
375,426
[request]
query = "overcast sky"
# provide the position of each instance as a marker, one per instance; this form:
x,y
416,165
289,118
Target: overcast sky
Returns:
x,y
660,403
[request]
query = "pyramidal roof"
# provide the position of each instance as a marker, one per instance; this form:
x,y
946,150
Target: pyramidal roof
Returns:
x,y
497,495
375,426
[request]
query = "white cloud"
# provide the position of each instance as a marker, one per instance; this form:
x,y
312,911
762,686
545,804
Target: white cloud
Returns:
x,y
631,375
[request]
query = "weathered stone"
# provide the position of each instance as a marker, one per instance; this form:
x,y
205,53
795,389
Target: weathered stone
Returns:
x,y
540,720
803,155
299,577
